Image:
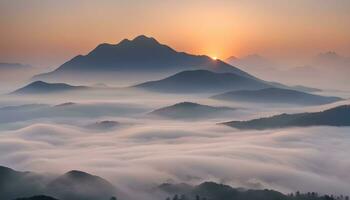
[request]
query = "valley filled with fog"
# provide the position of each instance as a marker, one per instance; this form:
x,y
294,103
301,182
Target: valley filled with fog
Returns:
x,y
110,133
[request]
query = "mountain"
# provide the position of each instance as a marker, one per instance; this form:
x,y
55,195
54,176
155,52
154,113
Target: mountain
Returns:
x,y
40,87
216,191
331,58
38,197
103,125
14,183
257,65
276,95
13,75
338,116
186,110
135,58
325,66
78,185
202,81
252,62
73,185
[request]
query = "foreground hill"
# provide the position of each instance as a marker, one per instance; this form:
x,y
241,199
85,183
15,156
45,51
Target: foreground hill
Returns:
x,y
134,58
338,116
17,184
202,81
40,87
73,185
276,95
186,110
76,185
37,197
215,191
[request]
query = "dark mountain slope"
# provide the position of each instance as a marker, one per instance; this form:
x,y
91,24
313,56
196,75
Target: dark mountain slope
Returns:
x,y
186,110
38,197
276,95
215,191
14,183
77,185
202,81
140,55
338,116
40,87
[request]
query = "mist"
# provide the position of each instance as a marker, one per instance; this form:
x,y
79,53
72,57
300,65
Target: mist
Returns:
x,y
140,152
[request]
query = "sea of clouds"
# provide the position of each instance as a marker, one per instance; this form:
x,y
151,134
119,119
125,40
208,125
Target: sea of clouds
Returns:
x,y
142,152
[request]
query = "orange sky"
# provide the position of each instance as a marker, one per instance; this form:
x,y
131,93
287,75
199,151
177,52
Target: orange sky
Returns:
x,y
48,32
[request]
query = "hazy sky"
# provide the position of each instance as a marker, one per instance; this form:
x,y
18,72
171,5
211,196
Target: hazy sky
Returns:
x,y
48,32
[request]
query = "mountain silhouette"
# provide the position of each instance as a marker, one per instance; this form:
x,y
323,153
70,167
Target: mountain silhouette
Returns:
x,y
77,185
40,87
73,185
103,125
338,116
216,191
202,81
252,62
256,65
14,183
141,55
330,58
276,95
186,110
37,197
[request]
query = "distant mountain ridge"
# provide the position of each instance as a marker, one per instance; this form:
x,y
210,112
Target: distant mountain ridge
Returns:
x,y
73,185
216,191
276,95
188,110
14,183
338,116
40,87
202,81
140,55
257,65
37,197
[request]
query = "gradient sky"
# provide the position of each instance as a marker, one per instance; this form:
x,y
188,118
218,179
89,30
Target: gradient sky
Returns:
x,y
48,32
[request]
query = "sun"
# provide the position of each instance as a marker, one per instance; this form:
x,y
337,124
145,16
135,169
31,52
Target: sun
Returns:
x,y
214,57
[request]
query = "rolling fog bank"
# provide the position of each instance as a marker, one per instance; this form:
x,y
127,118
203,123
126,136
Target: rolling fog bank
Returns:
x,y
139,152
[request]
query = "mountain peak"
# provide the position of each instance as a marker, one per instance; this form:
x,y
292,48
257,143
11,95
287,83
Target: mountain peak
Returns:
x,y
142,39
141,54
202,81
76,173
255,57
81,185
39,83
44,87
329,55
231,58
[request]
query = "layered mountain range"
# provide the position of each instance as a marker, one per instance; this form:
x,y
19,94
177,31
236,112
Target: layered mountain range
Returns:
x,y
140,58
